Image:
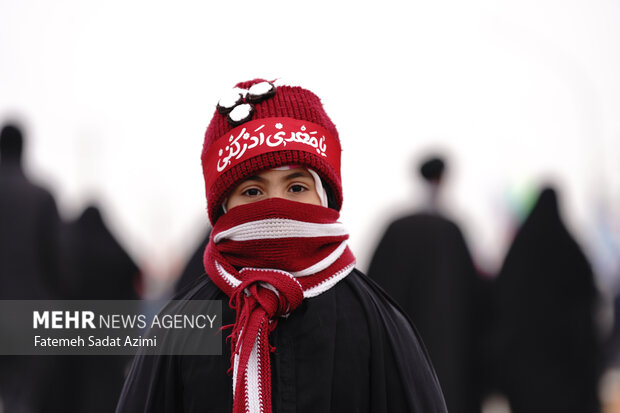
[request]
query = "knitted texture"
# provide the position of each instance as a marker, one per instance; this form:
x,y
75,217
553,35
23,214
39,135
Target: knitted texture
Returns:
x,y
288,101
267,257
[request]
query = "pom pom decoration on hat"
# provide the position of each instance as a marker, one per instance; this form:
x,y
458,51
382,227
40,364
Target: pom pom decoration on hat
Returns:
x,y
259,126
234,104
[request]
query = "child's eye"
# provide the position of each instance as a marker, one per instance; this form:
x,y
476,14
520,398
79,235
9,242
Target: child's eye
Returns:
x,y
251,192
297,188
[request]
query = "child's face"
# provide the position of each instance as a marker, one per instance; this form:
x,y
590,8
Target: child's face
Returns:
x,y
294,184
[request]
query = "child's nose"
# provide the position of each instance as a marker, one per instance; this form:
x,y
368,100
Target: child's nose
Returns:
x,y
277,192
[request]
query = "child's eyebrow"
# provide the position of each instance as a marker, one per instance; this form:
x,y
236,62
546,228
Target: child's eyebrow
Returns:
x,y
297,175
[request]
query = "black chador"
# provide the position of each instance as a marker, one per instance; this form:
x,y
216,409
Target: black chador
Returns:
x,y
29,225
381,365
546,343
96,267
423,263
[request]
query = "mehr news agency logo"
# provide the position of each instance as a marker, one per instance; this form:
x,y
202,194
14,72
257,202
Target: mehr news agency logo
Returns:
x,y
94,329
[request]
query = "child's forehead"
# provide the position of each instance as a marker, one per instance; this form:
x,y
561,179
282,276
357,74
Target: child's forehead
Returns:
x,y
283,172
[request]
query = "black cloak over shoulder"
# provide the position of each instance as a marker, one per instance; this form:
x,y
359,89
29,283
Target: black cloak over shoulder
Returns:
x,y
349,349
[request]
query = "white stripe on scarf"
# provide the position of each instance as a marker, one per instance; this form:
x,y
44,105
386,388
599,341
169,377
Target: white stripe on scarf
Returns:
x,y
228,277
324,263
236,368
328,283
253,373
274,228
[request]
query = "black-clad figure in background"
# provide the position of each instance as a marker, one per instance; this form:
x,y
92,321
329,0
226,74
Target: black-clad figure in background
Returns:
x,y
95,263
29,225
423,262
97,268
547,351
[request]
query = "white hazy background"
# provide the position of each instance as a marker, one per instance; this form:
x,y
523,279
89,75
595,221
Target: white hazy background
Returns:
x,y
116,96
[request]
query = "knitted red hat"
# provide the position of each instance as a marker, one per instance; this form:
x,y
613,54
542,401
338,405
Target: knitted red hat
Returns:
x,y
262,126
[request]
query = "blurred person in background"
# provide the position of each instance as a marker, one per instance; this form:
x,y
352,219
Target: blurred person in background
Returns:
x,y
547,356
29,228
423,262
93,262
29,270
96,267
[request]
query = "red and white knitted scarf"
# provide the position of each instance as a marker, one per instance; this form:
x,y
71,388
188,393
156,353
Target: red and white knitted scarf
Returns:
x,y
267,257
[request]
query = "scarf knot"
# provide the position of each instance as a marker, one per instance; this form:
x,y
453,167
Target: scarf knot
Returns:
x,y
277,292
262,296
